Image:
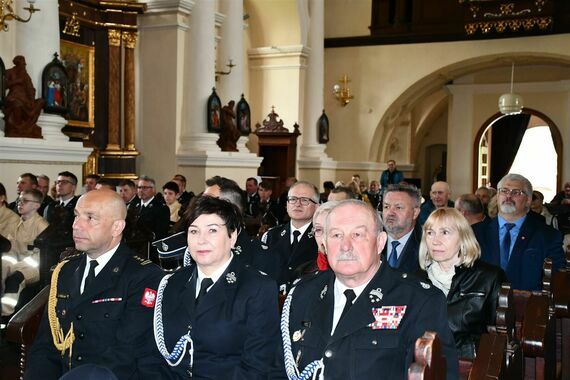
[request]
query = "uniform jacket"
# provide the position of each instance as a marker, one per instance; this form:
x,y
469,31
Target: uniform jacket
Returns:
x,y
251,204
356,351
51,215
112,326
472,304
156,217
535,242
234,327
408,261
275,258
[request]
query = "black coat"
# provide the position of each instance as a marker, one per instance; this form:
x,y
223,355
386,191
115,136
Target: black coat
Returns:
x,y
408,261
112,326
356,350
472,304
155,217
54,212
234,327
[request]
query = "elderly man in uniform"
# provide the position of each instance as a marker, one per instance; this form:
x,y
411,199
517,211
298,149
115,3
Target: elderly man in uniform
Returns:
x,y
361,319
101,301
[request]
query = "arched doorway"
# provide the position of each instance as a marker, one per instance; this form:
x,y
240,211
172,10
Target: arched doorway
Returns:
x,y
529,144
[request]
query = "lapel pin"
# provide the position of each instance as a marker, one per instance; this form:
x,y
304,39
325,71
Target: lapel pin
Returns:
x,y
324,291
283,233
231,277
375,295
164,246
298,335
310,234
425,285
116,270
237,250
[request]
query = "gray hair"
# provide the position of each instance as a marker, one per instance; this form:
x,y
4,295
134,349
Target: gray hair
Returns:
x,y
324,208
378,225
527,186
316,195
147,179
411,190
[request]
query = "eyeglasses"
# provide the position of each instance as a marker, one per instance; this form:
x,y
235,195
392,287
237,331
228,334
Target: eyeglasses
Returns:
x,y
318,231
304,200
511,192
144,187
24,201
63,182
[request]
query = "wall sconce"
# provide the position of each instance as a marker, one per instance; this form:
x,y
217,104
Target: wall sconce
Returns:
x,y
218,73
7,12
342,94
511,104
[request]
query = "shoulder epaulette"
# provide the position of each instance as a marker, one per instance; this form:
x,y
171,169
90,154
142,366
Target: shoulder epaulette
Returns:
x,y
75,256
142,261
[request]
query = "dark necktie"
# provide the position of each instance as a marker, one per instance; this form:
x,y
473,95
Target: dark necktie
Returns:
x,y
350,296
91,274
295,242
506,246
61,204
204,285
393,259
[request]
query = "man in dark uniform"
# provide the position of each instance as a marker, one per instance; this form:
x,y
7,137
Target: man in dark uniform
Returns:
x,y
101,301
286,249
251,197
44,186
361,319
65,187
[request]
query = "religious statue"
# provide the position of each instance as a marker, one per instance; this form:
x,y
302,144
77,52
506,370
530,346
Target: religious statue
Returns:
x,y
21,109
229,134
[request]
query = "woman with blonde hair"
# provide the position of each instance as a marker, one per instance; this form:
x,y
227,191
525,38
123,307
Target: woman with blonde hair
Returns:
x,y
449,256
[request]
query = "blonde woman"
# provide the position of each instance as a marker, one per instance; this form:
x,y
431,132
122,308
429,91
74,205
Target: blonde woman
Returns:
x,y
449,256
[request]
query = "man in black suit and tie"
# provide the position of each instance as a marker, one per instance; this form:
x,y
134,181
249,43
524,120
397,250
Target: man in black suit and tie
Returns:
x,y
154,214
400,211
128,191
65,187
517,240
471,207
287,249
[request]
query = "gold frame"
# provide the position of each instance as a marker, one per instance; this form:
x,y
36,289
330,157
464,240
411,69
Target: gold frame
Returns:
x,y
87,54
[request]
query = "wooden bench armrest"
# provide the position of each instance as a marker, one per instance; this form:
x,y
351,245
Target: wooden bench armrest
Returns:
x,y
24,325
429,362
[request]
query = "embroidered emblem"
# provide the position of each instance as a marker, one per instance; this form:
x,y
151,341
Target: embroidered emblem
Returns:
x,y
425,285
298,335
164,246
231,277
387,317
264,238
148,298
324,291
375,295
283,233
237,250
113,299
310,234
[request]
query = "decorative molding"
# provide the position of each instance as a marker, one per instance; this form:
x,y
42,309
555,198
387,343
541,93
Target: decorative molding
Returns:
x,y
219,159
162,6
72,26
522,87
349,165
219,19
278,51
114,37
130,39
38,150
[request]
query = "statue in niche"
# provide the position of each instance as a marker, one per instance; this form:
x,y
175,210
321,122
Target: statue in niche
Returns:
x,y
229,134
21,109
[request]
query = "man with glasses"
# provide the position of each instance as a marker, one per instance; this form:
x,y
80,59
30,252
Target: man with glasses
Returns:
x,y
65,186
44,187
516,240
153,213
287,250
20,266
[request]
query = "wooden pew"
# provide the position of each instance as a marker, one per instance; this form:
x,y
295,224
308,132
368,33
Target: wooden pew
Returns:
x,y
429,362
560,286
24,325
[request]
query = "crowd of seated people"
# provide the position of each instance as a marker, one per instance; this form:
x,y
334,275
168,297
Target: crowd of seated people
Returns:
x,y
336,256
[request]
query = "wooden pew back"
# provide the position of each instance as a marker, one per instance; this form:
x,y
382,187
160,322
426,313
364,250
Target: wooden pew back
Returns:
x,y
429,362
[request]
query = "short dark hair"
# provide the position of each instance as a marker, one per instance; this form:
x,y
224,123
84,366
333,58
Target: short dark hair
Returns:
x,y
96,177
343,189
411,190
229,189
170,185
328,185
127,182
2,191
471,203
68,175
228,212
252,179
32,177
266,185
106,182
35,193
181,178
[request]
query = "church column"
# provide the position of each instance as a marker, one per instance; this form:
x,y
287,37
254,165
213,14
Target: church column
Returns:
x,y
314,83
231,48
114,102
130,39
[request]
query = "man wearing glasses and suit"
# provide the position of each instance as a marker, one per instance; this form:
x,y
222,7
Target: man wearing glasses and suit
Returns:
x,y
286,250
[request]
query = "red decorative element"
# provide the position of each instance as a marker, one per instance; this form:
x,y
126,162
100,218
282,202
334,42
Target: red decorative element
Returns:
x,y
322,261
148,298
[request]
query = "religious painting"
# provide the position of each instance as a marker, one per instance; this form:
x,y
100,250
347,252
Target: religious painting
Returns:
x,y
214,109
55,87
2,84
243,117
79,62
323,128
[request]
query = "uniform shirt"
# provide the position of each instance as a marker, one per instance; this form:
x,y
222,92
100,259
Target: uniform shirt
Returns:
x,y
24,232
214,276
302,230
101,260
144,204
514,231
403,240
340,299
65,202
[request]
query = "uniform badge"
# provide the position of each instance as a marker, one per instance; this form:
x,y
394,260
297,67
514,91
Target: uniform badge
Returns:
x,y
298,335
237,250
264,238
387,317
324,291
310,234
116,270
264,247
164,246
375,295
425,285
283,233
148,298
231,277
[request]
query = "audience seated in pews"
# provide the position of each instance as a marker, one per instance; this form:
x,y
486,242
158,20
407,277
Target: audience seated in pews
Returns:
x,y
449,255
171,191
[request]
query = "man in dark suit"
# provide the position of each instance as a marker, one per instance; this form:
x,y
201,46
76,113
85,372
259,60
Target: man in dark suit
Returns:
x,y
471,207
102,305
251,197
26,181
517,241
361,319
65,187
286,249
439,197
400,210
128,191
44,186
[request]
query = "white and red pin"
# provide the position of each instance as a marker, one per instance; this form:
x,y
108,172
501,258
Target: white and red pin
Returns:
x,y
387,317
149,297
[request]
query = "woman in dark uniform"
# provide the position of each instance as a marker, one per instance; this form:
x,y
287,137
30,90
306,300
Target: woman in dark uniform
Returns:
x,y
216,319
449,255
